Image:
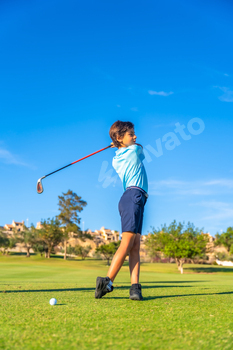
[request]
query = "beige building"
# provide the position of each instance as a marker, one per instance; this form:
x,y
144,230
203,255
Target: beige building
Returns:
x,y
105,236
102,236
212,251
143,252
38,225
108,235
15,225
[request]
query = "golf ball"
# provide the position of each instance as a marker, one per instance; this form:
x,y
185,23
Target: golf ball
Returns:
x,y
53,301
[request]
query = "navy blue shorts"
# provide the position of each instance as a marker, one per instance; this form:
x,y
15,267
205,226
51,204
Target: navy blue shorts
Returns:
x,y
131,209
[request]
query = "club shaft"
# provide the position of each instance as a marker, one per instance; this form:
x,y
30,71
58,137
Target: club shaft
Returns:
x,y
66,166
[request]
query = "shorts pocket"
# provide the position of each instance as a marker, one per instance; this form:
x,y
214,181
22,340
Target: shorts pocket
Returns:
x,y
137,197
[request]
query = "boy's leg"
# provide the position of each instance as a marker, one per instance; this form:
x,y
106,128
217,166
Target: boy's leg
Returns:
x,y
126,245
135,292
134,260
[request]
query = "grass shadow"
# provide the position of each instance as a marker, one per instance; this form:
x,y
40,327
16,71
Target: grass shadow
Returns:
x,y
174,296
209,269
48,290
153,287
126,263
185,295
168,282
19,254
84,289
62,257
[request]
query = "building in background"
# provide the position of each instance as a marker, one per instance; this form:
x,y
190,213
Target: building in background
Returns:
x,y
19,226
105,234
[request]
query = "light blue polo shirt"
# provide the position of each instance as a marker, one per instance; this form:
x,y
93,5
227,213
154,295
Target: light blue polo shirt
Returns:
x,y
130,168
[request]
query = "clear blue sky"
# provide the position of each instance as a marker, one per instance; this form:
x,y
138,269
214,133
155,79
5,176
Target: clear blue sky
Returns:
x,y
70,69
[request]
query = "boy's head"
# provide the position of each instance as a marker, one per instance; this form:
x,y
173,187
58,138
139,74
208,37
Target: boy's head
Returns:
x,y
122,134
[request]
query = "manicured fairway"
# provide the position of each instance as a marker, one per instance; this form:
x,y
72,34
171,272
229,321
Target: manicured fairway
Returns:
x,y
191,311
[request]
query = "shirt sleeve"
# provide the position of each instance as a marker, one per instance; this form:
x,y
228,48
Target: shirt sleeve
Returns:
x,y
135,152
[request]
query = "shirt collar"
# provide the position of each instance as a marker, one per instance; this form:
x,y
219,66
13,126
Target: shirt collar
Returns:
x,y
123,149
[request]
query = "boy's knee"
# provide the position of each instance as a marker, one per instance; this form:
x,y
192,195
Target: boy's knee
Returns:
x,y
136,246
130,247
129,242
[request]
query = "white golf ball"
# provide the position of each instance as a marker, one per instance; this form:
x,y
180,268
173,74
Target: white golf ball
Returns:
x,y
53,301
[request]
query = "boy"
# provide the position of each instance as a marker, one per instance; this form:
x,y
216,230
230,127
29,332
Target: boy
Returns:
x,y
128,164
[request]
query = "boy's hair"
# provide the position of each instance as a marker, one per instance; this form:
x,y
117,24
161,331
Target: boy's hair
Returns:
x,y
118,129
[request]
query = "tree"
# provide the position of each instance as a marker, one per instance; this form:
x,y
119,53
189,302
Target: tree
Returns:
x,y
178,242
27,237
40,247
3,241
108,250
82,251
70,250
225,239
85,235
69,206
51,234
7,242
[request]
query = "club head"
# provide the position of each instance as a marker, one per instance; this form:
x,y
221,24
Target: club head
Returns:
x,y
39,186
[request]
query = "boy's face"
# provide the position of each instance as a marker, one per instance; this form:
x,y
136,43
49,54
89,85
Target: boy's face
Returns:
x,y
128,139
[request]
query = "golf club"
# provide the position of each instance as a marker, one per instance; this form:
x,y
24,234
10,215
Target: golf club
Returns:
x,y
39,186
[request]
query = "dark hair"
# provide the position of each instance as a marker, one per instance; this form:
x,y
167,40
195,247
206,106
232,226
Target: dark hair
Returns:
x,y
118,129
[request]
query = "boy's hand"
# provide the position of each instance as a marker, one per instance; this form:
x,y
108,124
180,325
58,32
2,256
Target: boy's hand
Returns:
x,y
112,145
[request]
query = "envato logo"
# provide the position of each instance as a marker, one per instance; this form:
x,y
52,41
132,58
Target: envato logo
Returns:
x,y
170,140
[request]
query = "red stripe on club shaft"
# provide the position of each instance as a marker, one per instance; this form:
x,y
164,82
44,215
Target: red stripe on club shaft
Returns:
x,y
77,161
91,154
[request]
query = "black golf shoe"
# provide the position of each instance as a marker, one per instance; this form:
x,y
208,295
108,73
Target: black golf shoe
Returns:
x,y
101,287
135,292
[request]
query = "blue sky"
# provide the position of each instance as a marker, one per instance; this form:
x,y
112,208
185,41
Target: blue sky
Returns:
x,y
70,69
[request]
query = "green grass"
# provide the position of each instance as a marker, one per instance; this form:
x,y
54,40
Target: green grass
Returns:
x,y
190,311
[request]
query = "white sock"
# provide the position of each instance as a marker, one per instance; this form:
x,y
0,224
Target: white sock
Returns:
x,y
109,286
